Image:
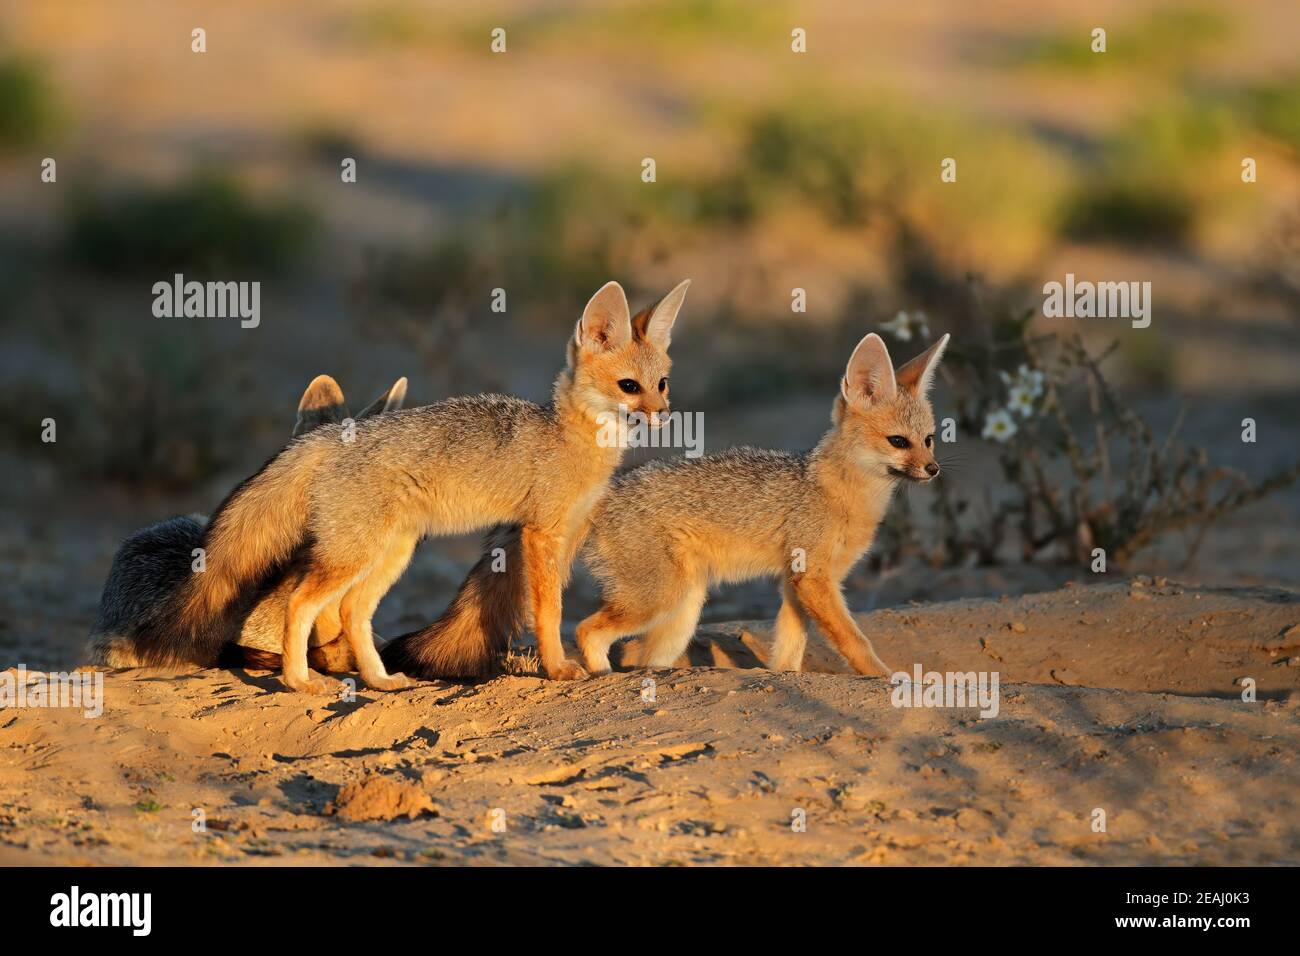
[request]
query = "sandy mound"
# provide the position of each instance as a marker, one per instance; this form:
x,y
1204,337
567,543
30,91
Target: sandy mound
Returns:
x,y
713,765
381,798
1148,635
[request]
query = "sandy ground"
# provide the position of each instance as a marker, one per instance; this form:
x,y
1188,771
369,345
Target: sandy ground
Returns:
x,y
1124,703
712,764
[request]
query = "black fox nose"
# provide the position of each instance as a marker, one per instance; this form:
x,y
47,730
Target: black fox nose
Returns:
x,y
932,469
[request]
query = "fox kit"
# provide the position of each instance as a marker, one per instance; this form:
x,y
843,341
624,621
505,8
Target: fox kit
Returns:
x,y
667,530
154,562
349,509
672,528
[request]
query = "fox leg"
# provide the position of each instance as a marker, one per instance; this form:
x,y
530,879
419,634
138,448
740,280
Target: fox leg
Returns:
x,y
790,636
328,651
331,652
823,603
667,638
318,588
328,626
542,554
358,607
597,633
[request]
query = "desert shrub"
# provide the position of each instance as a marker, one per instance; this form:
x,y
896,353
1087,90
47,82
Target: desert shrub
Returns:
x,y
147,423
1274,109
207,223
1080,468
27,105
708,21
429,300
813,166
324,139
1128,209
874,161
658,28
139,415
1155,180
561,239
575,227
390,23
1173,37
1277,263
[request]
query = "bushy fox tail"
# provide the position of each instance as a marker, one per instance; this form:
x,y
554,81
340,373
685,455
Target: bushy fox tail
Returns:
x,y
335,657
258,527
475,630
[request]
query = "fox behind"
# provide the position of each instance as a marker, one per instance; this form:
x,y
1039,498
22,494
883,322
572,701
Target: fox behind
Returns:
x,y
493,602
667,530
349,513
153,564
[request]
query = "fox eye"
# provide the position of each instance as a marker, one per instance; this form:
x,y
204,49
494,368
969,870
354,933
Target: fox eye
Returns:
x,y
898,441
629,385
929,440
663,383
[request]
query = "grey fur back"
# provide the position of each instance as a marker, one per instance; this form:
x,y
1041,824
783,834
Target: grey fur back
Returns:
x,y
149,567
152,564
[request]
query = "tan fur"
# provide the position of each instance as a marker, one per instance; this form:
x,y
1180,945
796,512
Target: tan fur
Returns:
x,y
448,468
494,602
262,630
469,638
665,531
329,648
668,530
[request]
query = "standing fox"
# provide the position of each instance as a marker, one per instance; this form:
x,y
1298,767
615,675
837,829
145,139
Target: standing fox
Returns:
x,y
349,509
153,563
666,530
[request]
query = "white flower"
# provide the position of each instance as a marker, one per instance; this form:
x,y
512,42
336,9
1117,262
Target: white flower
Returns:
x,y
1021,400
900,326
1032,379
921,323
903,326
1027,378
999,426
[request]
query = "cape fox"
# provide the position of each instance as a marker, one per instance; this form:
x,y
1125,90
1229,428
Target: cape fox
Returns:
x,y
668,529
348,513
153,563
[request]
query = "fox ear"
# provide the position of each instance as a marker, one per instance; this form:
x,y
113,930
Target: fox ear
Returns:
x,y
869,376
606,322
656,325
387,402
918,375
321,403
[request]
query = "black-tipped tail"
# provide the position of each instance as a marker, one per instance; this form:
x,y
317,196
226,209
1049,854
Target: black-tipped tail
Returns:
x,y
472,636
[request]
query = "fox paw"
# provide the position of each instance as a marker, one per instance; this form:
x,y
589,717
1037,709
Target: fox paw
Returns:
x,y
597,668
311,684
389,682
566,670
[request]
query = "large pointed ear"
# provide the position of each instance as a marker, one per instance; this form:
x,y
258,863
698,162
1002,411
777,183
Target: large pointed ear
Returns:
x,y
387,402
869,376
321,403
918,375
656,325
606,322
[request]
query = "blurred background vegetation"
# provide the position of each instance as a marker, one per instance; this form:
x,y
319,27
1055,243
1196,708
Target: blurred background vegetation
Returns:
x,y
522,171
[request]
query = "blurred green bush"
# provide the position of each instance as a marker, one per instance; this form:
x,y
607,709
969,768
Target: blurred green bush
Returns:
x,y
207,223
143,413
28,110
